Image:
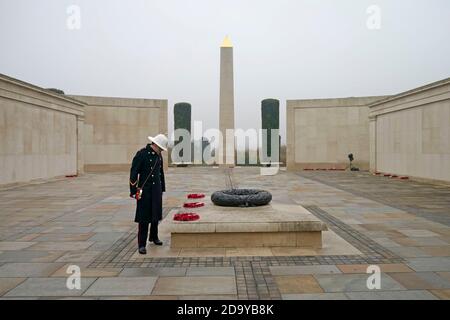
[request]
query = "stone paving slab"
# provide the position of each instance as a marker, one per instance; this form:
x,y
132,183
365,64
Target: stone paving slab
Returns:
x,y
445,275
210,271
199,252
30,256
409,252
298,284
153,272
421,280
354,282
418,233
61,246
14,245
48,287
64,229
392,295
62,237
7,284
88,272
421,241
121,286
107,236
28,270
429,264
195,285
441,294
100,246
314,296
79,256
297,270
437,251
362,268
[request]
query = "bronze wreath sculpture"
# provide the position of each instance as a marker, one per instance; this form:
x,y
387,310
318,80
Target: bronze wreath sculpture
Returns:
x,y
241,198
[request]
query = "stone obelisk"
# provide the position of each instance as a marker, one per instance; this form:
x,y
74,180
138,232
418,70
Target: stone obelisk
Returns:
x,y
226,104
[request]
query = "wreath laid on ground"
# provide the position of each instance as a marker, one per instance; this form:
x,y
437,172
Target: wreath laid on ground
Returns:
x,y
193,204
195,196
186,216
241,197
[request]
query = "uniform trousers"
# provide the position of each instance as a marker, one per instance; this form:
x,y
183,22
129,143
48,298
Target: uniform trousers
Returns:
x,y
143,233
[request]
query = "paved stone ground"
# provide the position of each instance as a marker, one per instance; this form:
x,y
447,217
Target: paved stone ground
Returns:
x,y
401,226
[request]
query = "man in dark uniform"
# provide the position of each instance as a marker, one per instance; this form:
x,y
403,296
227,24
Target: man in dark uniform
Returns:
x,y
147,185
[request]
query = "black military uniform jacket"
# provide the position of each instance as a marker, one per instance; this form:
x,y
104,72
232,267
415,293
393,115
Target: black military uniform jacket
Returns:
x,y
149,207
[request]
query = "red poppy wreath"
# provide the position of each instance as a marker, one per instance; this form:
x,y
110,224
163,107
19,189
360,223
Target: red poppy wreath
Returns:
x,y
193,204
195,195
186,216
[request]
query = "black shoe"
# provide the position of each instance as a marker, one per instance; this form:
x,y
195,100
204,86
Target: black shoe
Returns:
x,y
157,242
142,250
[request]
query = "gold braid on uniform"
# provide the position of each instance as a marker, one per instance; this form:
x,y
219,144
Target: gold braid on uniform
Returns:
x,y
133,184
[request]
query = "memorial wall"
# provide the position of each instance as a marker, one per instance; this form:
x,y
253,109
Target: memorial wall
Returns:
x,y
410,133
320,133
45,134
40,133
116,128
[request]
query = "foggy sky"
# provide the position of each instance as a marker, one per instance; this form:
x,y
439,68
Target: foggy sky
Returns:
x,y
169,49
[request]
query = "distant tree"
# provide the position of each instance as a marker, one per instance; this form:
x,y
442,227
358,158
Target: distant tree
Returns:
x,y
182,118
270,117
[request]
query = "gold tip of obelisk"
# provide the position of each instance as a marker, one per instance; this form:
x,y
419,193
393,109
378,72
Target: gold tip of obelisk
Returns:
x,y
226,43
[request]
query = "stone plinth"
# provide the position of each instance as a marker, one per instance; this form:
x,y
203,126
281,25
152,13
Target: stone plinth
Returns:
x,y
275,225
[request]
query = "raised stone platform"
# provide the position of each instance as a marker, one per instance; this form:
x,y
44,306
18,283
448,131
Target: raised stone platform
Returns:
x,y
274,225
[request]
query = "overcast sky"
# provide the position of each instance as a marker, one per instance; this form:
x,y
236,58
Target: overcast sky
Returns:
x,y
169,49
